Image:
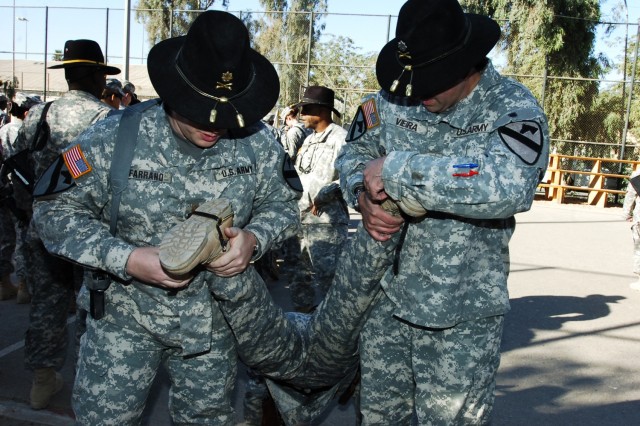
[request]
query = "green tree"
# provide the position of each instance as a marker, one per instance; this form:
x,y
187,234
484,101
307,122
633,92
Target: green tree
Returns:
x,y
556,38
340,65
57,55
169,18
282,33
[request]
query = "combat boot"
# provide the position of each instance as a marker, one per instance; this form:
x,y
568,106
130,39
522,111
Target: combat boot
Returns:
x,y
198,240
7,290
23,293
46,383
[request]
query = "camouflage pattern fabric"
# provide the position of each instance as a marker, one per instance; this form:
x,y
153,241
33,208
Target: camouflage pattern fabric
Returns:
x,y
322,236
50,278
307,359
472,168
631,210
7,240
168,179
292,139
320,248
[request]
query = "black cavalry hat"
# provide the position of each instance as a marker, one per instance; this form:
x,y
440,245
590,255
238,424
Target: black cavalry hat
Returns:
x,y
318,95
84,53
435,47
212,76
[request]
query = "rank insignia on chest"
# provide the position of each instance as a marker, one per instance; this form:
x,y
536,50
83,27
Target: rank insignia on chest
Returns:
x,y
366,118
76,162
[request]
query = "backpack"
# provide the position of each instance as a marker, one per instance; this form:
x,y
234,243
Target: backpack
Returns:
x,y
19,164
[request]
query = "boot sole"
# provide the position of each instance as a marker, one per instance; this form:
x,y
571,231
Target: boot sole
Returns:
x,y
197,240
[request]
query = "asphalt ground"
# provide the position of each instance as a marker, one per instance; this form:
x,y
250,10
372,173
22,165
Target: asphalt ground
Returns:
x,y
570,352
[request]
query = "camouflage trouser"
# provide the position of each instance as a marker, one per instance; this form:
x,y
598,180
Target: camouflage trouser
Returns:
x,y
446,375
51,282
635,232
320,247
7,241
307,359
20,255
119,359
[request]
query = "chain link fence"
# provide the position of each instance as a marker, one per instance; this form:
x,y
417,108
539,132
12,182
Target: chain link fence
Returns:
x,y
598,124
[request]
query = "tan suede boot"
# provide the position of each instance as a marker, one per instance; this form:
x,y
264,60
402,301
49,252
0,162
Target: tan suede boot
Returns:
x,y
23,293
46,383
7,290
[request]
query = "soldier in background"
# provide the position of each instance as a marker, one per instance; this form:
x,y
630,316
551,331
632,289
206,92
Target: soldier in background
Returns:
x,y
323,212
51,278
13,242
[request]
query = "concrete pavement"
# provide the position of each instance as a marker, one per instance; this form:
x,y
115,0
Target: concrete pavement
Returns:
x,y
571,345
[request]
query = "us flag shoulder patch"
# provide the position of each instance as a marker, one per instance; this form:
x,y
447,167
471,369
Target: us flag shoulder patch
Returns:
x,y
76,162
366,118
524,139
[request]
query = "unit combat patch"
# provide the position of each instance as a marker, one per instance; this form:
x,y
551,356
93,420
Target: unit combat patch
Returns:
x,y
524,139
75,161
366,118
54,180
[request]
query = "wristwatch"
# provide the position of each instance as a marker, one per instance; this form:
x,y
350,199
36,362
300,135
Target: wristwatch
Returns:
x,y
356,193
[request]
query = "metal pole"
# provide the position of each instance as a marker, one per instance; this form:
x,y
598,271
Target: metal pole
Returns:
x,y
633,79
46,34
13,51
26,33
127,37
106,40
309,49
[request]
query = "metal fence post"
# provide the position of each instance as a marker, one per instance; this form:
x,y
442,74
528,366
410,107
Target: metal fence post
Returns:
x,y
310,38
46,37
630,96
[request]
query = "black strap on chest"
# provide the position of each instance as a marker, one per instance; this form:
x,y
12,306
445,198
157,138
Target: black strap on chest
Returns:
x,y
123,153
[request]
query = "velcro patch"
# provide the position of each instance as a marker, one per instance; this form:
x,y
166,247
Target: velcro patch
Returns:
x,y
366,118
524,139
55,179
76,162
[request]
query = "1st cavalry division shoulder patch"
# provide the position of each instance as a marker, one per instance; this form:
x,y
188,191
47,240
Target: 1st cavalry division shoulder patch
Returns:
x,y
76,162
366,118
524,139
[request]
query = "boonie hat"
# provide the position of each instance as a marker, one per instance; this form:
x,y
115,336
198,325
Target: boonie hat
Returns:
x,y
84,53
435,47
212,76
318,95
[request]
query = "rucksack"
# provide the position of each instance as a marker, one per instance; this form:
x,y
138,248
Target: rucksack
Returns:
x,y
19,164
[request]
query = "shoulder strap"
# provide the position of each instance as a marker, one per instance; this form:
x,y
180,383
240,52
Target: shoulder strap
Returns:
x,y
35,145
123,154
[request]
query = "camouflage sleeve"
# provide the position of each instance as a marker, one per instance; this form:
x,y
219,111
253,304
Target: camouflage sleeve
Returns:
x,y
73,224
352,160
496,184
275,215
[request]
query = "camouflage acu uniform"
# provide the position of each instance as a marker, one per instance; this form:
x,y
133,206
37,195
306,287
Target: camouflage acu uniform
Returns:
x,y
144,325
323,236
7,231
631,211
432,342
50,278
292,139
307,359
8,136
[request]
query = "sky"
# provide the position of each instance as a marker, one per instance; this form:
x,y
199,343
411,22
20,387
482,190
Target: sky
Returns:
x,y
74,19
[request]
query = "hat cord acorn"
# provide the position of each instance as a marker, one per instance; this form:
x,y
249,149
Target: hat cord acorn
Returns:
x,y
214,113
405,54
